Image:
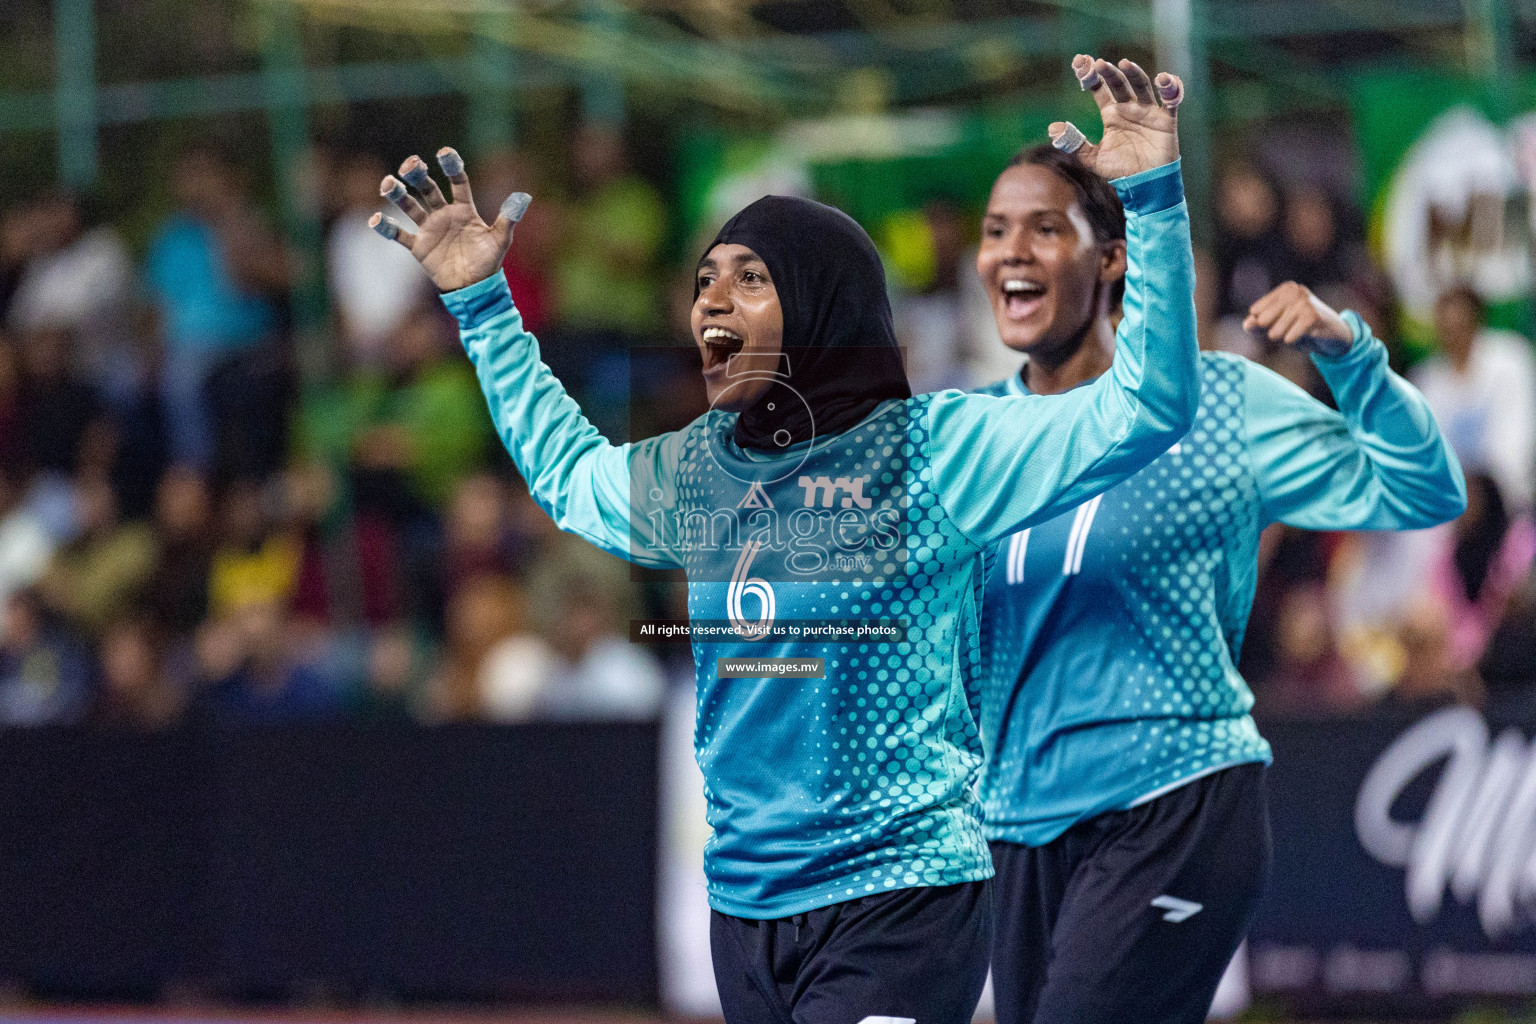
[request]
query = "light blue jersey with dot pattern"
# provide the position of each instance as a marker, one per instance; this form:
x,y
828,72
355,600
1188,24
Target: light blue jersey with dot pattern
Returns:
x,y
884,749
1110,634
863,780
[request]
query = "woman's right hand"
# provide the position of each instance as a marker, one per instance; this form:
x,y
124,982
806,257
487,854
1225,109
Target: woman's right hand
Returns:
x,y
453,244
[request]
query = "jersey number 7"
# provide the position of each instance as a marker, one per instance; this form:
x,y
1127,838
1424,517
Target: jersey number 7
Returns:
x,y
1077,543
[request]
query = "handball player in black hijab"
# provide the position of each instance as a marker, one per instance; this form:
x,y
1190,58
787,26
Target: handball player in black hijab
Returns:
x,y
833,530
840,358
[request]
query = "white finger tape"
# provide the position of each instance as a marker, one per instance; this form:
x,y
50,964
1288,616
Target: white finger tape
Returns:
x,y
388,228
418,176
451,163
1070,140
515,206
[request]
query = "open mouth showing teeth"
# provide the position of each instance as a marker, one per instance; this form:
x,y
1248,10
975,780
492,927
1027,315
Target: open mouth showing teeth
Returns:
x,y
1021,297
720,344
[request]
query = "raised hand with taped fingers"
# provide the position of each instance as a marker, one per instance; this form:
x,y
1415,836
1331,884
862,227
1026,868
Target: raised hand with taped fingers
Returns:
x,y
1140,116
452,242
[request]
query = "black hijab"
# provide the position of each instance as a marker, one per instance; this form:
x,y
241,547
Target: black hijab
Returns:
x,y
838,336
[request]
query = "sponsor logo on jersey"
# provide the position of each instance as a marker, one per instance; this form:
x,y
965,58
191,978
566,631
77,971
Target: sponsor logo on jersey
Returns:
x,y
828,488
756,497
856,537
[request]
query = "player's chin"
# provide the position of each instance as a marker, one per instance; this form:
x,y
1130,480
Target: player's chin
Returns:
x,y
1021,338
733,396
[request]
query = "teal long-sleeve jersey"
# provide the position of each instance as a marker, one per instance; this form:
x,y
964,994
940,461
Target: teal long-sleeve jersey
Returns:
x,y
1110,635
825,789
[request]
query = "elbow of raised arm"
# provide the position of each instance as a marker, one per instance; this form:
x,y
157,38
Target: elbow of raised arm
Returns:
x,y
1455,494
1180,394
1176,417
1184,420
1444,500
1453,489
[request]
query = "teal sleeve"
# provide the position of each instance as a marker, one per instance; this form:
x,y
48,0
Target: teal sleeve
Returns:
x,y
1379,463
1003,463
585,483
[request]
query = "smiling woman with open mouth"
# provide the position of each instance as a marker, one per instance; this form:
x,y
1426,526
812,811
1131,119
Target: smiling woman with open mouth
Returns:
x,y
847,870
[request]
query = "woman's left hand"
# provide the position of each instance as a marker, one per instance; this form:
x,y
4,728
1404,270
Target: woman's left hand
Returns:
x,y
1291,314
1141,126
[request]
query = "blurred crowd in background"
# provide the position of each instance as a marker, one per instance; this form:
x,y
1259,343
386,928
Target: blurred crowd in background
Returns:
x,y
205,514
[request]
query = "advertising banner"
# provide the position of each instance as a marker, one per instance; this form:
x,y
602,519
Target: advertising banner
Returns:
x,y
1405,863
1448,169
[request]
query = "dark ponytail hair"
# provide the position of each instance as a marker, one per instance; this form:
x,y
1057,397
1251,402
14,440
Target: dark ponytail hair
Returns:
x,y
1096,196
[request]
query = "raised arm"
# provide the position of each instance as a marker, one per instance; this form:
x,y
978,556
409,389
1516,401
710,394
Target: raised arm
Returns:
x,y
1379,463
1004,463
575,475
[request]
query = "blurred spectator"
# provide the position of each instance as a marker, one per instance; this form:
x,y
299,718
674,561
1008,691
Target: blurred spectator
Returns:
x,y
77,278
476,538
484,612
254,563
261,665
931,322
395,676
45,677
178,590
1481,386
131,447
375,284
334,582
1309,677
408,429
1485,559
1507,662
536,243
515,678
607,297
135,692
605,273
403,435
213,273
102,573
1429,672
1316,252
1218,333
583,600
597,674
1290,561
1250,250
26,544
425,422
12,441
1419,610
57,408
